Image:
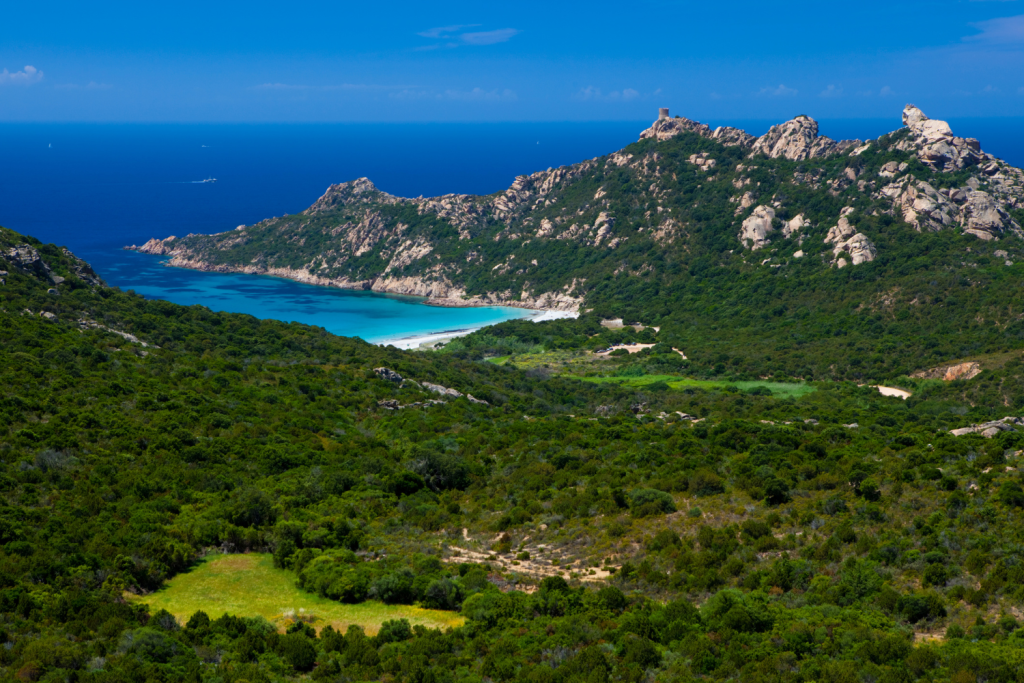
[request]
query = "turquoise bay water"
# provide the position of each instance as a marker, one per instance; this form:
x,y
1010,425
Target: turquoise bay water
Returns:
x,y
373,317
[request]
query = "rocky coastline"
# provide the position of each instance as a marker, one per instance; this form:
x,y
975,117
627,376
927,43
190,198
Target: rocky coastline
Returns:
x,y
437,292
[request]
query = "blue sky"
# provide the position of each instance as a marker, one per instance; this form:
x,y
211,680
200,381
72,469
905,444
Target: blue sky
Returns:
x,y
460,61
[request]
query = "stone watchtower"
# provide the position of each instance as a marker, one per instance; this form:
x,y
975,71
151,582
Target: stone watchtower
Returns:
x,y
662,113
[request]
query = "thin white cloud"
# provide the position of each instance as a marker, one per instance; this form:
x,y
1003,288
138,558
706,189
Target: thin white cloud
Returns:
x,y
479,95
990,90
831,91
280,86
409,94
444,31
999,31
781,91
454,36
338,86
26,76
502,35
597,95
886,91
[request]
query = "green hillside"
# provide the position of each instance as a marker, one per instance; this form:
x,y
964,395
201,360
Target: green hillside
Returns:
x,y
583,531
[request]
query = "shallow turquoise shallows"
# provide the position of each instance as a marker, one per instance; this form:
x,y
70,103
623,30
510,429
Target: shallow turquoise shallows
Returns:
x,y
373,317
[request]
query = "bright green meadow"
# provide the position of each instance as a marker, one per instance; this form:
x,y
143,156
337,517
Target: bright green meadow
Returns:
x,y
250,586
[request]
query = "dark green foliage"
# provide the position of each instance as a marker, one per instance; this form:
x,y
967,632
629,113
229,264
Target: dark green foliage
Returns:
x,y
1010,493
298,650
647,502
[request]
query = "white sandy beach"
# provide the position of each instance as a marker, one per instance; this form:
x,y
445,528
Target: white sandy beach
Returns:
x,y
433,338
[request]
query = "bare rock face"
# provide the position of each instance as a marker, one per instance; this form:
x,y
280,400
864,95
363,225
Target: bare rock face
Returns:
x,y
25,258
444,391
920,204
990,429
845,238
665,129
603,226
977,213
702,161
156,246
82,269
892,168
756,228
985,218
948,373
936,145
342,194
795,225
798,140
733,137
387,374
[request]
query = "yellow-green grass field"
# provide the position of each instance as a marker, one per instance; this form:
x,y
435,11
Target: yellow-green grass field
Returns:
x,y
780,389
250,586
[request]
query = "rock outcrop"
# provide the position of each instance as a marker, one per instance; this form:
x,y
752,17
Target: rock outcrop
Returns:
x,y
921,205
702,161
156,246
948,373
798,140
845,238
665,129
757,227
26,259
935,144
795,225
990,429
388,375
976,212
984,218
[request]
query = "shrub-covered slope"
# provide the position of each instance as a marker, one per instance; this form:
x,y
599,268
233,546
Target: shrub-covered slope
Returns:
x,y
585,532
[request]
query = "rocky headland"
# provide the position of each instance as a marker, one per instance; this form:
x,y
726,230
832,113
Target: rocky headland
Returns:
x,y
547,241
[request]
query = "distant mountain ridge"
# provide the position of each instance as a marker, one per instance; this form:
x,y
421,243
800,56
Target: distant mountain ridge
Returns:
x,y
682,193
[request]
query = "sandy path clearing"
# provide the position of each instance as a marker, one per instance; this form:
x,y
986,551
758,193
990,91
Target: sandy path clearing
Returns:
x,y
632,348
893,391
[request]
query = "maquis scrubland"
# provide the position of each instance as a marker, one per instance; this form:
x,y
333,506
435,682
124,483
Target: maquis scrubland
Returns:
x,y
781,442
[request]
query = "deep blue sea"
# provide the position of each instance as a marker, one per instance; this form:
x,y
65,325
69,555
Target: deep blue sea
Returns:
x,y
97,187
